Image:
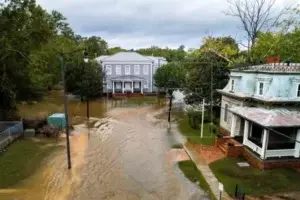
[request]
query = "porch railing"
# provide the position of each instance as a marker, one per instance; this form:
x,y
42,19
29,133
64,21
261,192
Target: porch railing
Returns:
x,y
253,146
280,153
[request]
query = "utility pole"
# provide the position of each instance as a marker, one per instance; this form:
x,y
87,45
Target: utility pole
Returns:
x,y
211,100
66,111
202,120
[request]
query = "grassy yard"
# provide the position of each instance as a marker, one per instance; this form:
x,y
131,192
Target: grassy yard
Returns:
x,y
253,181
190,171
193,135
23,158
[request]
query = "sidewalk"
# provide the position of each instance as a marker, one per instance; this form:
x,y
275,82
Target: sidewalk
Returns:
x,y
206,172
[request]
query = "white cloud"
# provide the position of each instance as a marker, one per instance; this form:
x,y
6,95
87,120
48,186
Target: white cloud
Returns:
x,y
142,23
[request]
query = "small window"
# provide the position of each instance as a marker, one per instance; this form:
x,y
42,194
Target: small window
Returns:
x,y
118,69
146,84
226,112
108,69
136,69
146,69
261,88
298,91
127,69
232,85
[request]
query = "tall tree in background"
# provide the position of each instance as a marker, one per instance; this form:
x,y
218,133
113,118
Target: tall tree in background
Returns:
x,y
255,16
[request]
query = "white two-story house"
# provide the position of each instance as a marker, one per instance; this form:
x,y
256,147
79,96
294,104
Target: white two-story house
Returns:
x,y
260,109
130,72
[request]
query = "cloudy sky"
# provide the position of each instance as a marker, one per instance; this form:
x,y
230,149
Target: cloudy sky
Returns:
x,y
142,23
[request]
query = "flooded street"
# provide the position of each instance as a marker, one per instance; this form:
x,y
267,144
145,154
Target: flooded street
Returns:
x,y
125,156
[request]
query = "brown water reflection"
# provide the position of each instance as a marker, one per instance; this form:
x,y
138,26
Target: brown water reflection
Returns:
x,y
126,157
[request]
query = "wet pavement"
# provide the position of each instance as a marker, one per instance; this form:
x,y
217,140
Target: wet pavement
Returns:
x,y
125,156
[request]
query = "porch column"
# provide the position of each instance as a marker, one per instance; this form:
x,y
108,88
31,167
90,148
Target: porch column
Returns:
x,y
131,86
142,87
233,125
246,131
122,86
113,83
297,145
264,143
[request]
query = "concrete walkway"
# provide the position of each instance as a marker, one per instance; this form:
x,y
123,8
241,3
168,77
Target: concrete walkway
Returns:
x,y
206,172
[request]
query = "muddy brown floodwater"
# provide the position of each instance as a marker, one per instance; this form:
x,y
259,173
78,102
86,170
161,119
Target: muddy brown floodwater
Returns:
x,y
125,156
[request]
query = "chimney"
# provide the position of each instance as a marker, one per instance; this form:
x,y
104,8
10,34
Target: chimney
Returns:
x,y
273,59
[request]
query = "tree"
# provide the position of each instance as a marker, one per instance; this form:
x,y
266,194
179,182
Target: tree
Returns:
x,y
170,77
95,46
255,16
114,50
208,73
84,79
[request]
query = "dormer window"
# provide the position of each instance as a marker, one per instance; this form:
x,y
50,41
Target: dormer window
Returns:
x,y
232,85
298,91
261,88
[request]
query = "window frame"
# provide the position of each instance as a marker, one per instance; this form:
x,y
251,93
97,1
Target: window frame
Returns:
x,y
146,69
232,84
119,71
108,72
127,72
298,90
136,72
260,90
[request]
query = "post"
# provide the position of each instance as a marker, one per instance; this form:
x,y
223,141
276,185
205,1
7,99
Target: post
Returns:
x,y
122,86
264,143
142,87
131,86
113,84
202,120
66,112
246,131
233,125
297,145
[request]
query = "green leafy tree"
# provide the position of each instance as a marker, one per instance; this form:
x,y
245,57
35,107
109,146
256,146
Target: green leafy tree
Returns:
x,y
206,74
170,77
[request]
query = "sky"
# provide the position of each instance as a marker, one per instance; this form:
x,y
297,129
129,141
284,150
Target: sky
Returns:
x,y
136,24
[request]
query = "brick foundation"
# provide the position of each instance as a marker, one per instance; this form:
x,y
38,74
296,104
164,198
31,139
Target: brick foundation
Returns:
x,y
239,150
270,164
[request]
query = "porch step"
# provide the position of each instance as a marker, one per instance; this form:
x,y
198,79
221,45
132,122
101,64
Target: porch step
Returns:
x,y
223,148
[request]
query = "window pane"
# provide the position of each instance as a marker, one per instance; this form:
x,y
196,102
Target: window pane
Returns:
x,y
232,85
298,91
261,88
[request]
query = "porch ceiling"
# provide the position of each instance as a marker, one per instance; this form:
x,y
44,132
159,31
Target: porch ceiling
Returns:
x,y
128,77
269,118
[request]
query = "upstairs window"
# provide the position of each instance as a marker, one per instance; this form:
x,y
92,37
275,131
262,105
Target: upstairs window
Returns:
x,y
261,88
232,85
108,69
146,69
136,69
118,69
298,91
127,69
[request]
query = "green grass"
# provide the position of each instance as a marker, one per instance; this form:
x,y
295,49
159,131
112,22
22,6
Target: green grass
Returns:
x,y
253,181
190,171
193,135
23,158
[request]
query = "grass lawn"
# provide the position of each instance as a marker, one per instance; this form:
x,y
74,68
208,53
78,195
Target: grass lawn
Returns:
x,y
253,181
190,171
23,158
193,135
